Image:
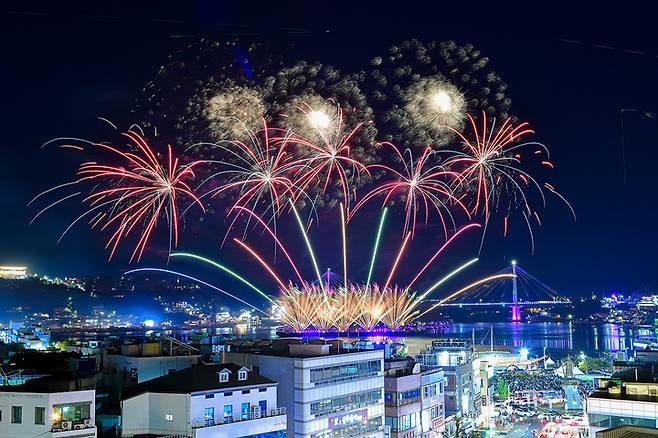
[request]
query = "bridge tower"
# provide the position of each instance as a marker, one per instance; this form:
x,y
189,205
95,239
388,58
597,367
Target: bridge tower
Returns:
x,y
516,309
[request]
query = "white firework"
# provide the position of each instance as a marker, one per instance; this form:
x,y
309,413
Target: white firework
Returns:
x,y
434,107
312,117
233,112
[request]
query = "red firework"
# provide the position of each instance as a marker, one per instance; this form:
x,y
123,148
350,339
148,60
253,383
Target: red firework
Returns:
x,y
490,169
322,161
490,162
130,199
422,185
255,172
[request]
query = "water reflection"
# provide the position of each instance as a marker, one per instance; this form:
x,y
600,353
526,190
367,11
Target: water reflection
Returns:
x,y
559,339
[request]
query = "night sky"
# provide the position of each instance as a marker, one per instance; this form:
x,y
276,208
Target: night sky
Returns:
x,y
569,74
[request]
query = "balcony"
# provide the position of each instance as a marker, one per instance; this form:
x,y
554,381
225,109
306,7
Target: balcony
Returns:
x,y
74,428
248,424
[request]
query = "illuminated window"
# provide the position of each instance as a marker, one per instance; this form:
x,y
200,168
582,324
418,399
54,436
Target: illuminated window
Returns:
x,y
223,376
169,417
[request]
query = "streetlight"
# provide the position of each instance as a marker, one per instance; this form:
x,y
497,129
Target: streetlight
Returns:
x,y
524,354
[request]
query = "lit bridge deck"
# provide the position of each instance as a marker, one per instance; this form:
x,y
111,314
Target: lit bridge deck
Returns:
x,y
518,303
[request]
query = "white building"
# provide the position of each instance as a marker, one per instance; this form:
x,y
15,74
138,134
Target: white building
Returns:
x,y
626,399
328,392
32,410
139,363
204,401
461,368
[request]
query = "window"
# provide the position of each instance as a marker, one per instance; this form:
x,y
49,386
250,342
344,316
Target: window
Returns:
x,y
345,372
209,414
242,375
430,390
246,391
245,410
345,403
169,417
39,415
262,389
263,406
223,376
75,412
407,422
435,412
228,394
134,378
228,411
210,396
17,414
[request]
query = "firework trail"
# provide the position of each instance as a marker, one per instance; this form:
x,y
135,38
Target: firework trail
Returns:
x,y
491,168
423,187
327,165
256,175
128,200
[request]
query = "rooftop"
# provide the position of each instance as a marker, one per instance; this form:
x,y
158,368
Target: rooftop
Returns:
x,y
298,348
196,379
624,396
61,382
628,432
636,375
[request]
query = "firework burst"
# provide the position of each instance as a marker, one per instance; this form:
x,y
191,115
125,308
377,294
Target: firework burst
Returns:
x,y
129,199
432,108
422,185
327,164
415,79
490,168
233,111
255,173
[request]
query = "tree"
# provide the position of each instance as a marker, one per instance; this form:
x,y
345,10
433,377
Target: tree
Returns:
x,y
502,389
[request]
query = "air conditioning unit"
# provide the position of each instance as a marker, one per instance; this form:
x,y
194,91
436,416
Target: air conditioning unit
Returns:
x,y
89,422
67,425
78,426
255,412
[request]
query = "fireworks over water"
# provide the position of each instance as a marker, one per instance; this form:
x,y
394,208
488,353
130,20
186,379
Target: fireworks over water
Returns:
x,y
425,133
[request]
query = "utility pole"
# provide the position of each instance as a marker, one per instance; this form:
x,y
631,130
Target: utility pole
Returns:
x,y
492,349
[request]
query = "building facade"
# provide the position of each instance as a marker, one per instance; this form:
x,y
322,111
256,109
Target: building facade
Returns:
x,y
30,410
432,398
414,400
138,363
328,392
627,399
456,359
218,401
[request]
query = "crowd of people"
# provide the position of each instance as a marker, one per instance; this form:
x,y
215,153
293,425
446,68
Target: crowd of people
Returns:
x,y
518,380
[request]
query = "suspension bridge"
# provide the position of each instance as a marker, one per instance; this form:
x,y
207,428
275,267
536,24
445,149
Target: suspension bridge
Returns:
x,y
521,290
